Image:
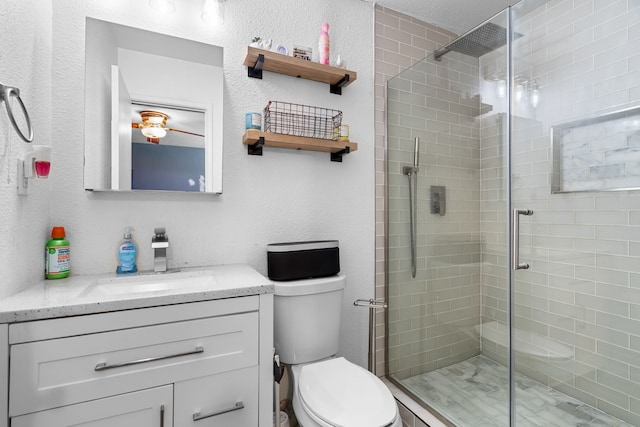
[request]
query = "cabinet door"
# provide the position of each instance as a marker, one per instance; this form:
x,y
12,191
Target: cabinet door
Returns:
x,y
222,400
147,408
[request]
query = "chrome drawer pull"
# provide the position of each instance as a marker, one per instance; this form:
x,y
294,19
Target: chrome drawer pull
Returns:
x,y
199,416
103,365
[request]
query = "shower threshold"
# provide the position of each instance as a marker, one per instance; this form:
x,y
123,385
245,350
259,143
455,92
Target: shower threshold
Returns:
x,y
474,393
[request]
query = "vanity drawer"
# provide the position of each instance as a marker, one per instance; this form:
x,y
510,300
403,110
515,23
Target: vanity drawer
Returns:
x,y
222,400
52,373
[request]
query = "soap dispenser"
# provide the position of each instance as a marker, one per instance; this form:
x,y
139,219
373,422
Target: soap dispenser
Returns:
x,y
127,251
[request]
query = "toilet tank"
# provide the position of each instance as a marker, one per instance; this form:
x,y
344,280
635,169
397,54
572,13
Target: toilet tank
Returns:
x,y
307,318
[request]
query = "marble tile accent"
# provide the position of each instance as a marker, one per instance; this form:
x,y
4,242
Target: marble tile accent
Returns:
x,y
599,154
474,393
411,412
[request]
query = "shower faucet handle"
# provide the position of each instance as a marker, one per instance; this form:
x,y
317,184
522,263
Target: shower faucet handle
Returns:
x,y
438,199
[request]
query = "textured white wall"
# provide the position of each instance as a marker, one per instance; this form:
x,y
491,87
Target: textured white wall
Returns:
x,y
282,196
25,62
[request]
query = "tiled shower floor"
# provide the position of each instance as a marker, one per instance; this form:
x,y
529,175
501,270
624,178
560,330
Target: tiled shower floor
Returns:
x,y
474,393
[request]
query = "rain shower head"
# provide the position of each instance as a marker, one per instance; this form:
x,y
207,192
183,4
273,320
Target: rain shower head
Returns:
x,y
482,40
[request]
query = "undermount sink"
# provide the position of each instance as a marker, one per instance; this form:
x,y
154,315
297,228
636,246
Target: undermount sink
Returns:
x,y
163,283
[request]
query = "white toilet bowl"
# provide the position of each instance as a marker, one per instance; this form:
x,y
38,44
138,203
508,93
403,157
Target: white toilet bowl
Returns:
x,y
338,393
328,391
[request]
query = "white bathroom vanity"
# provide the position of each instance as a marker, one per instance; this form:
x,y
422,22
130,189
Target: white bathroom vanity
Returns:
x,y
178,349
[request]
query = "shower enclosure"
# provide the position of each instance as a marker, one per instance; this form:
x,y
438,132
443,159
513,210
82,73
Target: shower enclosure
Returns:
x,y
513,220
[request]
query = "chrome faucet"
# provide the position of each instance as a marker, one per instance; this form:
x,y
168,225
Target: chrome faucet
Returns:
x,y
159,244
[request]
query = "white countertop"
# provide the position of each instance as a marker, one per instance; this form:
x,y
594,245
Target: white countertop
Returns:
x,y
88,294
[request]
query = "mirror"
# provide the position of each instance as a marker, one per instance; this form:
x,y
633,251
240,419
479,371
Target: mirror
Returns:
x,y
153,111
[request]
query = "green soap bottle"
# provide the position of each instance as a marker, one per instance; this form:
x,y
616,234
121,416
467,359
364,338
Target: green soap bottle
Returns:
x,y
57,255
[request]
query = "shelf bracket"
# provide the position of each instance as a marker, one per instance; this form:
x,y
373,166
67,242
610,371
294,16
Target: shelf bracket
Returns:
x,y
255,149
337,87
337,156
256,70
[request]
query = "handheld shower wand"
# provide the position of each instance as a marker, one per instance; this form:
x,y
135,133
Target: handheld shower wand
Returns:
x,y
412,175
408,170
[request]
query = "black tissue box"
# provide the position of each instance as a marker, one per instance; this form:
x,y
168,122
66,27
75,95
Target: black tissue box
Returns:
x,y
303,260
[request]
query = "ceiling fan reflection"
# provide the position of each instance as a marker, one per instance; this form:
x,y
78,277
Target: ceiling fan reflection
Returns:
x,y
153,126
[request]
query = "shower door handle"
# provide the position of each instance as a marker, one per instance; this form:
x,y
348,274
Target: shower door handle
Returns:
x,y
515,251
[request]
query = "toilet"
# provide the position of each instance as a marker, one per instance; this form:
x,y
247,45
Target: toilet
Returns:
x,y
328,391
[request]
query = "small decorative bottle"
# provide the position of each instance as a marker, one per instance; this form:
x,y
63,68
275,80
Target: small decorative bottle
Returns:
x,y
323,45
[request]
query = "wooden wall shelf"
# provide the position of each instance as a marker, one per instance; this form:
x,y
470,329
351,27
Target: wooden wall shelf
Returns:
x,y
255,140
259,59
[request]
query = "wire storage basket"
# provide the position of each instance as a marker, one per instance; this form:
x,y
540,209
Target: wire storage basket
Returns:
x,y
302,120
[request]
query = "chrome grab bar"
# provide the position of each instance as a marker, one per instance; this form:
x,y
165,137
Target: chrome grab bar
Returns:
x,y
103,365
5,94
372,304
200,416
515,251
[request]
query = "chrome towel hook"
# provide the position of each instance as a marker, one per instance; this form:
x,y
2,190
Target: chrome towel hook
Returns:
x,y
5,93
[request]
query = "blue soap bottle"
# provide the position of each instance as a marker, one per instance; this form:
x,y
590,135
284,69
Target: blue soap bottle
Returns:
x,y
127,252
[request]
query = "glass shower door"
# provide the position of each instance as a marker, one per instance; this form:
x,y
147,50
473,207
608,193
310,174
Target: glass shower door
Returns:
x,y
440,177
575,128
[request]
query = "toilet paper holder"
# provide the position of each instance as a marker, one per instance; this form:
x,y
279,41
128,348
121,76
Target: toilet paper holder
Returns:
x,y
373,305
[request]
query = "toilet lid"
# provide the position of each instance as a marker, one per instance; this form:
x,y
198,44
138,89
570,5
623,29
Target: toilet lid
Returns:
x,y
343,394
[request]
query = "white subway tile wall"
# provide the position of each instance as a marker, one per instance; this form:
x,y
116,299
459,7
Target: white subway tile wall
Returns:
x,y
400,41
583,288
428,315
